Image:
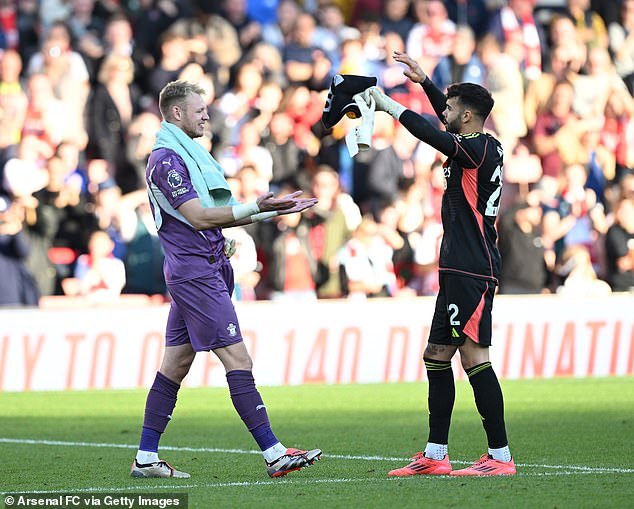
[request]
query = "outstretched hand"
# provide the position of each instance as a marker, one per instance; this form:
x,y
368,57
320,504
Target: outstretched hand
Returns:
x,y
286,204
415,71
301,204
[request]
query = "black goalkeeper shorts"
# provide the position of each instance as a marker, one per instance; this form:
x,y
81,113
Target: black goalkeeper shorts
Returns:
x,y
463,310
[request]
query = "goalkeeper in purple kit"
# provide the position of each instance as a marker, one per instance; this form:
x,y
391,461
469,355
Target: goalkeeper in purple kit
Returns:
x,y
191,203
468,268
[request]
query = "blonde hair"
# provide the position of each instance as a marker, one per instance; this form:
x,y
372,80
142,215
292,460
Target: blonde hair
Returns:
x,y
175,92
112,61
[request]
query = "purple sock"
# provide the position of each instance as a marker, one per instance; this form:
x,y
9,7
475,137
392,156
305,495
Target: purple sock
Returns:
x,y
250,407
159,405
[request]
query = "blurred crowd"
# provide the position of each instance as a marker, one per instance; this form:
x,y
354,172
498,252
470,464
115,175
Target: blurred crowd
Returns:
x,y
79,83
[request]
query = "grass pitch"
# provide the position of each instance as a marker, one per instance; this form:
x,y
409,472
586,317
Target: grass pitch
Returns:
x,y
573,442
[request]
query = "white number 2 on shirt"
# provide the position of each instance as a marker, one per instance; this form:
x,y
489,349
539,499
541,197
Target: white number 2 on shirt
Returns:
x,y
493,203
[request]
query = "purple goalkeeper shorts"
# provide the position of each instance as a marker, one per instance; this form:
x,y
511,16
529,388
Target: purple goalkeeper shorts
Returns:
x,y
202,312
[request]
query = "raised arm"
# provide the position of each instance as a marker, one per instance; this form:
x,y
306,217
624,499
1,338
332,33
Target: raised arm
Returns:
x,y
416,124
416,74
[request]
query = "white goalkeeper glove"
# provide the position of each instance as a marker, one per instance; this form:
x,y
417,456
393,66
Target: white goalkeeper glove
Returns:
x,y
230,247
383,102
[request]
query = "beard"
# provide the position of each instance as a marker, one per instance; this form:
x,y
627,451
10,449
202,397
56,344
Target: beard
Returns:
x,y
453,126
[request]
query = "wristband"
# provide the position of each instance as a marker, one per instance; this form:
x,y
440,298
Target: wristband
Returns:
x,y
243,210
263,215
395,109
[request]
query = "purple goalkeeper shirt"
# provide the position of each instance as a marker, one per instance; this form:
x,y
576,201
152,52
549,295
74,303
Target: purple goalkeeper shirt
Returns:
x,y
187,251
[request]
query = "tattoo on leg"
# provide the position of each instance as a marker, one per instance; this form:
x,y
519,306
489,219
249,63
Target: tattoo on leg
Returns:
x,y
435,349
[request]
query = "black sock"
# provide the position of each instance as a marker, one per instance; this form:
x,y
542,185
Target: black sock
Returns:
x,y
440,400
488,398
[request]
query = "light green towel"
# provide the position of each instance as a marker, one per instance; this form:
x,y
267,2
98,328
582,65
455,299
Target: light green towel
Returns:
x,y
206,174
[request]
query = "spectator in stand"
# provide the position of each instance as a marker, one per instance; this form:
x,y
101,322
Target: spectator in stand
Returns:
x,y
28,26
589,24
222,41
524,270
17,285
249,31
46,116
600,164
293,269
411,202
40,227
462,64
621,43
619,245
107,202
68,76
236,104
389,167
366,263
87,30
557,133
245,264
579,277
72,211
617,134
140,138
474,13
153,19
504,77
517,22
332,220
268,60
396,18
285,153
268,101
13,104
25,173
390,72
354,60
563,32
143,256
332,30
69,152
431,38
305,63
369,26
540,90
280,32
426,258
593,89
402,251
113,105
118,39
576,217
174,56
98,275
305,108
250,152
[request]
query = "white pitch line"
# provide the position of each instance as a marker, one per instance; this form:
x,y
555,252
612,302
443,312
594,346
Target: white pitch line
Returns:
x,y
248,484
572,468
175,486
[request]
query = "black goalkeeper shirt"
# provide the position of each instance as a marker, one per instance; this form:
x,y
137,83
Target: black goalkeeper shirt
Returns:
x,y
473,184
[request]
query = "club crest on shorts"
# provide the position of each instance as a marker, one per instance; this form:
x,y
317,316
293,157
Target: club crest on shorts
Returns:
x,y
174,179
232,329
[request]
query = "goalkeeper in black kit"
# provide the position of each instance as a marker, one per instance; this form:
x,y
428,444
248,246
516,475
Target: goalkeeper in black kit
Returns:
x,y
468,268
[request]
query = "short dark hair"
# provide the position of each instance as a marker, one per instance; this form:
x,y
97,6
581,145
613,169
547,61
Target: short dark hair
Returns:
x,y
475,97
174,92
